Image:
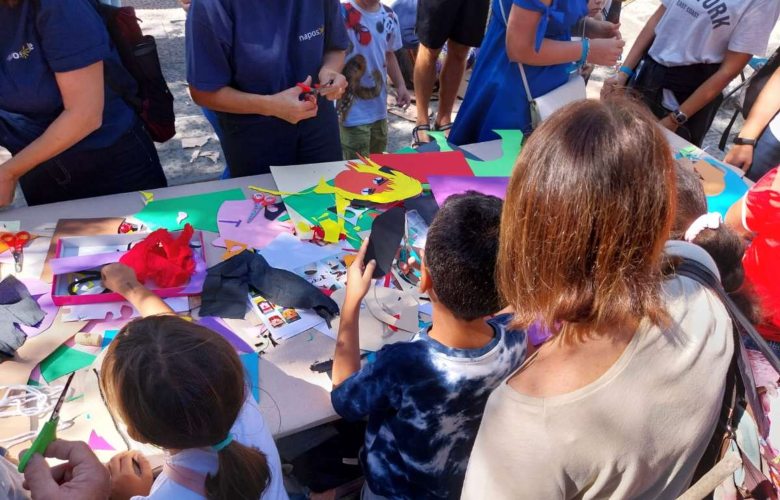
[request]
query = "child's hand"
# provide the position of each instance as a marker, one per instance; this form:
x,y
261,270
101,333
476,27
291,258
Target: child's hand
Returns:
x,y
403,98
131,475
359,277
119,278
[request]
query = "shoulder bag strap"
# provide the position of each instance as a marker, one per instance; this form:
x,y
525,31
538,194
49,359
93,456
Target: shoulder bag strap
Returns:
x,y
742,326
520,65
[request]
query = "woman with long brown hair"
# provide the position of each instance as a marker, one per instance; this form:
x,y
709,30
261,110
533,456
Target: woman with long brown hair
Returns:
x,y
70,134
624,398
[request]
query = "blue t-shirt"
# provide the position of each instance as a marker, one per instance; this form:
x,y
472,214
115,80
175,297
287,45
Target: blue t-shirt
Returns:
x,y
38,39
424,402
260,47
495,98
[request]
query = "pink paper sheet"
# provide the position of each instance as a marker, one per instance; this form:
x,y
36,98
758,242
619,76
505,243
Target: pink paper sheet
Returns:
x,y
231,220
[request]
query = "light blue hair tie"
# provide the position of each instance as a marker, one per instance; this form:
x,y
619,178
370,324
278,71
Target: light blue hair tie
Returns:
x,y
223,444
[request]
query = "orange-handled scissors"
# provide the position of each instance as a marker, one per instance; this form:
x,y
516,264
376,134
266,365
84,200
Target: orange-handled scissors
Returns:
x,y
16,242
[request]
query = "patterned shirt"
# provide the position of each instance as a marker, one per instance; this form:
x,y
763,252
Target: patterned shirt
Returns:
x,y
371,36
424,402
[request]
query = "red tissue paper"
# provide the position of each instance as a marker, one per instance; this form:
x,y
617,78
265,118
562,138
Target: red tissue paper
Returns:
x,y
162,258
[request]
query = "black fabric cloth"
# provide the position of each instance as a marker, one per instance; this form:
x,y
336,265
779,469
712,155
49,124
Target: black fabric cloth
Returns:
x,y
683,81
463,21
226,289
17,307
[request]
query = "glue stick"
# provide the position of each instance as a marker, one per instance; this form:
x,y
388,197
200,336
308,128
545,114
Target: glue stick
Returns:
x,y
89,339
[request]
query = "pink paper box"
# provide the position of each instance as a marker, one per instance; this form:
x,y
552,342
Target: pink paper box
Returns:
x,y
82,253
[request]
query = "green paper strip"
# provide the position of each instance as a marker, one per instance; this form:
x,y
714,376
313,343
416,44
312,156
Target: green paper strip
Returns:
x,y
63,361
201,210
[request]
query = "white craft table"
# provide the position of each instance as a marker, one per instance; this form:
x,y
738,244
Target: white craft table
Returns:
x,y
293,397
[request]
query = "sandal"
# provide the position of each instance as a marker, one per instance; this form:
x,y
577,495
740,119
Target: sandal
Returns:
x,y
416,142
443,128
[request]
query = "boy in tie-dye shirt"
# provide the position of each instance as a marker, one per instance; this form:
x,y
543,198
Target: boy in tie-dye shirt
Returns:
x,y
424,399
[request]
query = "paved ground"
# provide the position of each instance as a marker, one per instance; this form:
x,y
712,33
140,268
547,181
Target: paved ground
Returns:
x,y
165,21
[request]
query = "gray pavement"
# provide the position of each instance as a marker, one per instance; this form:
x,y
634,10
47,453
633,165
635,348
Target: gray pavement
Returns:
x,y
164,19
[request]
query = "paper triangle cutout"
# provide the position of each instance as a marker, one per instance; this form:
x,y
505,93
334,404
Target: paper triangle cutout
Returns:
x,y
97,443
233,248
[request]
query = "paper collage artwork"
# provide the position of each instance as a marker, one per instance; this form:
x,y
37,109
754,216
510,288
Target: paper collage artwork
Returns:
x,y
723,186
232,221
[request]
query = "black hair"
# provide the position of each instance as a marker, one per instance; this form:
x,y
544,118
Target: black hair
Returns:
x,y
461,252
691,200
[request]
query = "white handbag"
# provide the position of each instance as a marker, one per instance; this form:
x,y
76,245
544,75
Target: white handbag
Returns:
x,y
543,106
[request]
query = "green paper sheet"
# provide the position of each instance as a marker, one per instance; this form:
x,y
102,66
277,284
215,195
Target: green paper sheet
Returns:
x,y
201,210
441,140
64,360
406,150
512,142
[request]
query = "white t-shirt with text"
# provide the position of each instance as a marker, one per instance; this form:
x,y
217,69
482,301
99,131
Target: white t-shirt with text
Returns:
x,y
701,31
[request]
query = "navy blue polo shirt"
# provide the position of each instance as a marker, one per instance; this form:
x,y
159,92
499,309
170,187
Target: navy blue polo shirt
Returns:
x,y
39,38
260,47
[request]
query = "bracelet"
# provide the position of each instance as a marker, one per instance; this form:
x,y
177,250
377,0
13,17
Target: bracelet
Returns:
x,y
585,51
627,71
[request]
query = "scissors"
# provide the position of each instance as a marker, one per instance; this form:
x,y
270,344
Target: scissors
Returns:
x,y
316,89
48,433
262,201
16,242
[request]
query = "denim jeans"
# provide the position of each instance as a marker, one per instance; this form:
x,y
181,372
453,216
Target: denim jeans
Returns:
x,y
766,156
130,164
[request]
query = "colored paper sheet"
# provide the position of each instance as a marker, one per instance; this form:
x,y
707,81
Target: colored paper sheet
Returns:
x,y
421,165
108,336
201,210
233,226
288,252
511,143
251,361
97,443
445,186
63,361
723,185
218,326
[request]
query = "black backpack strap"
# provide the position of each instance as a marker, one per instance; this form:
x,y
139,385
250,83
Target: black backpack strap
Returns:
x,y
742,326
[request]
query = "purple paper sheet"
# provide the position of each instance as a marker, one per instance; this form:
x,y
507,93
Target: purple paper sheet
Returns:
x,y
221,328
444,186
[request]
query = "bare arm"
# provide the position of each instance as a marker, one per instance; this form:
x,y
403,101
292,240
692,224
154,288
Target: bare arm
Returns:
x,y
521,43
764,109
346,359
121,279
82,98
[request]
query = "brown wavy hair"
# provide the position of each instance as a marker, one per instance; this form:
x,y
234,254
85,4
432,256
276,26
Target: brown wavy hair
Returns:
x,y
178,385
588,209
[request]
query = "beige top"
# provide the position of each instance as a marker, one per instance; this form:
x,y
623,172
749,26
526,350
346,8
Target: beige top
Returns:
x,y
636,432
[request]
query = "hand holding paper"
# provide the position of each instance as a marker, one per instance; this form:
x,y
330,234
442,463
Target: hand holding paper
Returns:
x,y
359,276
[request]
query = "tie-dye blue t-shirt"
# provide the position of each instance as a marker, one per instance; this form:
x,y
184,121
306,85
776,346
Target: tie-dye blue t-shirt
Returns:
x,y
424,402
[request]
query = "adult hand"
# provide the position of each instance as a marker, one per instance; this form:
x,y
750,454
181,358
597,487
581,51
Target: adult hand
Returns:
x,y
403,98
668,122
289,107
605,51
119,278
131,475
359,276
7,186
82,476
614,85
741,156
334,82
185,4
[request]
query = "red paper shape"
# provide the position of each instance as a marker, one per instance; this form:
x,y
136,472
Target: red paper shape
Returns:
x,y
162,258
421,165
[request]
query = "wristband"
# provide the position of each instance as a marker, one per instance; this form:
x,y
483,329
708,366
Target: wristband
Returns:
x,y
585,51
626,71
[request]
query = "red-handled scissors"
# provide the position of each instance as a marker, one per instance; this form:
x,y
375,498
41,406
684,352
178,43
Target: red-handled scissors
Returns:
x,y
16,242
262,201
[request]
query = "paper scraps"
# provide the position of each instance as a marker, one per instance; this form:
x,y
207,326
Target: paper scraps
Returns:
x,y
233,226
251,362
194,142
233,248
219,326
288,252
180,218
63,361
444,186
147,197
10,226
723,186
97,443
201,210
